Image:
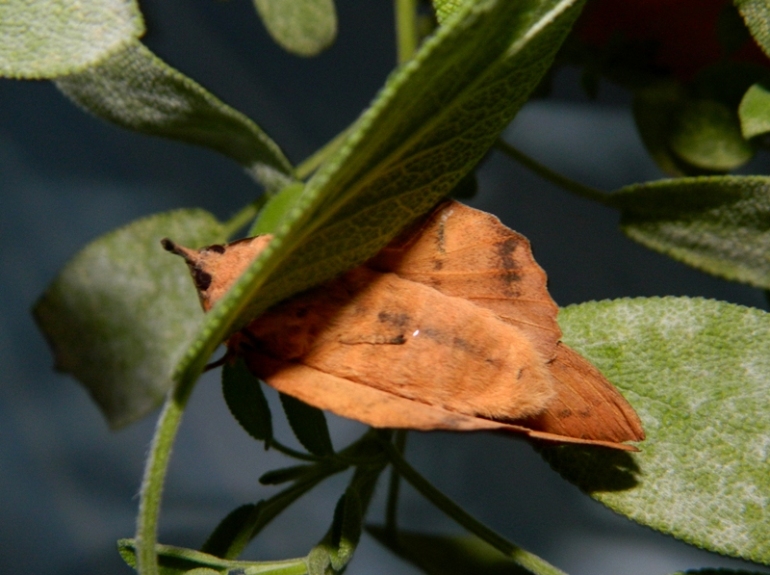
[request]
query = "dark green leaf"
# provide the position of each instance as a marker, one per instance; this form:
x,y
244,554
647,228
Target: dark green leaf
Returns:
x,y
135,89
707,134
247,403
434,120
308,424
119,313
49,38
179,561
718,224
229,534
304,27
447,555
278,476
698,374
754,111
654,108
346,529
756,14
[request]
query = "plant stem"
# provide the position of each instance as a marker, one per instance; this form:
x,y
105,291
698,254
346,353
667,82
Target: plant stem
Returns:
x,y
309,165
391,511
406,29
546,173
286,450
244,216
521,557
152,486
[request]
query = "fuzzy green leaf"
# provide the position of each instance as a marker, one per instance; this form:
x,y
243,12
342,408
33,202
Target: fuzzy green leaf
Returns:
x,y
447,555
707,134
698,374
718,224
754,111
50,38
119,314
434,120
309,425
136,90
180,561
244,397
304,27
756,14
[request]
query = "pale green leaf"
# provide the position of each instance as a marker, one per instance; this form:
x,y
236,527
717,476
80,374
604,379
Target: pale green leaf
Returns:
x,y
136,90
180,561
754,111
718,224
448,555
698,374
119,313
434,120
304,27
50,38
707,134
756,14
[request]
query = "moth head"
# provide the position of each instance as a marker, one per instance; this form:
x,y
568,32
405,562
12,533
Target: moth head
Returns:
x,y
214,269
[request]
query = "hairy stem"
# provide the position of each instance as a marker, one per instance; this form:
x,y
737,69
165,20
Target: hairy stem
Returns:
x,y
244,216
309,165
546,173
521,557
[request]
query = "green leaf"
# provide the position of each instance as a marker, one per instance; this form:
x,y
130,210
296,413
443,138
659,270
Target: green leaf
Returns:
x,y
698,374
228,538
434,120
345,531
179,561
707,134
135,89
49,38
445,8
718,224
754,111
119,314
756,14
304,27
654,107
247,403
308,424
447,555
272,214
278,476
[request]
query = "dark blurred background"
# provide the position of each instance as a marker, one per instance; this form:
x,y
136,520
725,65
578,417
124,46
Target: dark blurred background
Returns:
x,y
71,485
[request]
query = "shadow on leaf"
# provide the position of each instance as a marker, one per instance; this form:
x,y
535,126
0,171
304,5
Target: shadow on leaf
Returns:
x,y
593,469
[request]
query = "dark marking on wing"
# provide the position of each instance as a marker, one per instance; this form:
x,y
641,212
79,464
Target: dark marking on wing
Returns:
x,y
217,248
394,319
202,279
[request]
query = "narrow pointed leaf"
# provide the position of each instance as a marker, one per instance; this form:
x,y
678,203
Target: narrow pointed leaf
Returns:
x,y
434,120
136,90
50,38
119,314
756,14
698,374
308,424
285,474
304,27
246,401
229,534
754,111
719,224
447,555
180,561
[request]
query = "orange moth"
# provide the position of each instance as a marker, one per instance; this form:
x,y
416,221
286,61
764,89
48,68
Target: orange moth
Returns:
x,y
449,327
